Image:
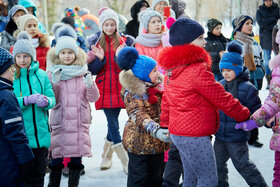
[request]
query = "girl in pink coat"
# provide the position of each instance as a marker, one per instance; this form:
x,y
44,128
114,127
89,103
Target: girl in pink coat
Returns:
x,y
70,118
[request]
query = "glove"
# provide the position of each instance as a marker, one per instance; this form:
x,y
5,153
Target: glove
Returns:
x,y
42,101
88,80
247,125
27,171
162,134
30,99
90,57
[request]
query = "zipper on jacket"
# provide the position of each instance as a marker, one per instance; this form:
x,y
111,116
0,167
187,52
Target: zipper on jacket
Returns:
x,y
110,73
33,112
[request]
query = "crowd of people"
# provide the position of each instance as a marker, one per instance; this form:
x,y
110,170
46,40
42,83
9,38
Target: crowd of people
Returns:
x,y
177,87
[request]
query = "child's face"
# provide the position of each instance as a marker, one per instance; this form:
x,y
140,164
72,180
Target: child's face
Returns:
x,y
247,28
18,14
217,30
23,60
154,25
109,27
200,41
160,6
9,74
67,56
154,75
228,74
31,27
30,10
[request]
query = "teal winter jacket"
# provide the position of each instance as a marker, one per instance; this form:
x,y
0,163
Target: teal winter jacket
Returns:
x,y
35,81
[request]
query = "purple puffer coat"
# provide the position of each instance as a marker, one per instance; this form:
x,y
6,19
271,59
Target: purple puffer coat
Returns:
x,y
70,118
271,106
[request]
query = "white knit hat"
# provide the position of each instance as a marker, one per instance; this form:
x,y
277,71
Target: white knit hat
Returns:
x,y
145,16
22,20
155,2
67,39
108,14
24,45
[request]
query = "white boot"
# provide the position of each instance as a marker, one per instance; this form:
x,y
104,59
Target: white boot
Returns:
x,y
107,155
122,154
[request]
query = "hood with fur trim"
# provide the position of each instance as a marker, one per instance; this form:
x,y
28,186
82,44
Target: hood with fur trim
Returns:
x,y
133,84
53,59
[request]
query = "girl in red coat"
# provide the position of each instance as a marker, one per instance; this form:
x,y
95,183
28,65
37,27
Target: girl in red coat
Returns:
x,y
105,47
191,101
40,42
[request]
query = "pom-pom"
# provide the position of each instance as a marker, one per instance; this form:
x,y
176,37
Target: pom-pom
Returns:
x,y
127,58
56,26
234,47
67,31
169,22
23,35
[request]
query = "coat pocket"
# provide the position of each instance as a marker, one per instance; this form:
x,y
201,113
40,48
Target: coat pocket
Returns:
x,y
100,78
56,116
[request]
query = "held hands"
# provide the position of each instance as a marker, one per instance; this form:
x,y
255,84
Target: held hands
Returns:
x,y
247,125
98,51
40,100
162,134
88,80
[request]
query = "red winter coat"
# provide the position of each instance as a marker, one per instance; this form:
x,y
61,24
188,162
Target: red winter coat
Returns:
x,y
191,96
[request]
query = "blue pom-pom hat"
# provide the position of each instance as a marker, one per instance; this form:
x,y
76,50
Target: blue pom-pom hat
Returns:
x,y
140,65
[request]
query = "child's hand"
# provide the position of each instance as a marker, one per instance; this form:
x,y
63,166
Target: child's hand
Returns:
x,y
88,80
27,100
119,49
42,101
247,125
162,134
98,51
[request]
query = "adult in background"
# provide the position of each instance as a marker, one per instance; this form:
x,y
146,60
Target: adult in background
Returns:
x,y
132,27
179,6
267,16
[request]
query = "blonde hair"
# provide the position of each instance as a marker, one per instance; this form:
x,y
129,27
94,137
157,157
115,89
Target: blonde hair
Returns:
x,y
115,37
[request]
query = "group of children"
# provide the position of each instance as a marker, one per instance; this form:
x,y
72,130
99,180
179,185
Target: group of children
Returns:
x,y
157,107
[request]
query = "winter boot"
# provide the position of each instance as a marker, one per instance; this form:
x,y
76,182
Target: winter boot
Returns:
x,y
268,79
107,155
122,154
74,174
55,176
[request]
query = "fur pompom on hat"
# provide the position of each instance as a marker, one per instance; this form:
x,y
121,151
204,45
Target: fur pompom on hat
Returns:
x,y
140,65
169,22
212,23
232,59
22,20
66,39
184,31
55,27
146,15
24,45
6,60
155,2
106,14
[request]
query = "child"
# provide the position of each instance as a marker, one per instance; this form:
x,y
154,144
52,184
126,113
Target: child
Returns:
x,y
242,33
104,47
16,160
268,110
191,92
40,42
216,45
159,5
7,38
70,118
35,96
229,142
149,40
142,138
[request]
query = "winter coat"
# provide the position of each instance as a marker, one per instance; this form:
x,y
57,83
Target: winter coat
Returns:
x,y
271,106
148,51
7,40
91,23
35,81
107,72
142,114
70,118
215,44
192,97
13,140
267,18
248,97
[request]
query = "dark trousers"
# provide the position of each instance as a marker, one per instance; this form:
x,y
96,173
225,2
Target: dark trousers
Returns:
x,y
59,161
40,162
173,169
112,115
254,136
145,170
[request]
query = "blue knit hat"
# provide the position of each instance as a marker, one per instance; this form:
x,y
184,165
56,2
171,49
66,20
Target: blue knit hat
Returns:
x,y
184,31
232,59
6,60
24,45
140,65
66,38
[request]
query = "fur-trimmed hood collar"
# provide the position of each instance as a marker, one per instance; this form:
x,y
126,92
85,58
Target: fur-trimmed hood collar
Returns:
x,y
52,58
175,56
133,84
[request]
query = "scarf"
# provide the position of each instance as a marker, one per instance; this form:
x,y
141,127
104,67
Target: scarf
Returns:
x,y
35,42
149,40
153,92
64,72
247,40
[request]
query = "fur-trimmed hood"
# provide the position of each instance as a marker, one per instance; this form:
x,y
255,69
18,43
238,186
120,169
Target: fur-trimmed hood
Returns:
x,y
52,58
43,39
133,84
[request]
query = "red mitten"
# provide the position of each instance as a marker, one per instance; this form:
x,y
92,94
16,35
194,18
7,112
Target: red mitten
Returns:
x,y
152,94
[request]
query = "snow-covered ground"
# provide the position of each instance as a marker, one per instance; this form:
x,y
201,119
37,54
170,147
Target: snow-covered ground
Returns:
x,y
262,157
